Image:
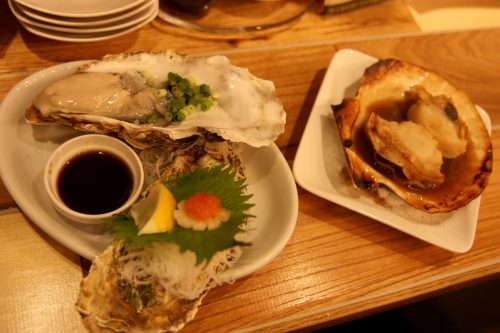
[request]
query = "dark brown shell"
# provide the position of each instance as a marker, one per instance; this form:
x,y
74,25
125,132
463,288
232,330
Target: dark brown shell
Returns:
x,y
383,86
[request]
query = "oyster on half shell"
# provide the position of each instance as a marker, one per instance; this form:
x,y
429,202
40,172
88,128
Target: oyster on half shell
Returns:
x,y
412,131
120,93
104,300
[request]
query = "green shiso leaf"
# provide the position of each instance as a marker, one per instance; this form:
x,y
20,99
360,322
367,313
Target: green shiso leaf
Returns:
x,y
219,181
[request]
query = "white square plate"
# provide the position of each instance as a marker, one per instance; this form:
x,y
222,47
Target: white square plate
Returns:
x,y
320,165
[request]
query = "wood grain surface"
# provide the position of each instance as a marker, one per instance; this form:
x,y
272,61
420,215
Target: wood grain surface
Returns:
x,y
338,265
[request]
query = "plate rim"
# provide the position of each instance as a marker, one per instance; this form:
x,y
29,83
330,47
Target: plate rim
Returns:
x,y
81,22
89,37
122,24
69,14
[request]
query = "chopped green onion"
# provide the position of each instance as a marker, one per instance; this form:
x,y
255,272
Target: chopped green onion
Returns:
x,y
150,80
193,101
204,90
206,103
177,92
189,109
177,104
188,98
173,77
153,118
183,84
180,116
168,116
161,93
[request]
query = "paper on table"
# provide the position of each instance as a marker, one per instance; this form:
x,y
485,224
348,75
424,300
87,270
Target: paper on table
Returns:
x,y
439,15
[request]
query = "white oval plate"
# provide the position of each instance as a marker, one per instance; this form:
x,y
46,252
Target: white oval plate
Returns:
x,y
80,8
80,22
25,150
320,160
113,26
86,37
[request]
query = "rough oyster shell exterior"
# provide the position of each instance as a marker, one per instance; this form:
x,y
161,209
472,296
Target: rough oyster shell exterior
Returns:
x,y
388,80
103,310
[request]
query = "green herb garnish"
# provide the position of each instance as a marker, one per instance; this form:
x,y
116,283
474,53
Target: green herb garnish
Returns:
x,y
186,98
220,181
153,118
137,296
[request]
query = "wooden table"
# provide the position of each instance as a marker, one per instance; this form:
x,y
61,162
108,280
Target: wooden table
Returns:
x,y
338,265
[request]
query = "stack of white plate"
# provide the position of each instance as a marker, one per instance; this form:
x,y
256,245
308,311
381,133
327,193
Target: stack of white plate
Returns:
x,y
83,20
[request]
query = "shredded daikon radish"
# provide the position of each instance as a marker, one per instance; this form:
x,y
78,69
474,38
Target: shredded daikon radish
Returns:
x,y
176,272
153,161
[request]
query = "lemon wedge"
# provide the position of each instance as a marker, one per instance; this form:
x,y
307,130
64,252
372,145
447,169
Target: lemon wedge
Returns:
x,y
155,213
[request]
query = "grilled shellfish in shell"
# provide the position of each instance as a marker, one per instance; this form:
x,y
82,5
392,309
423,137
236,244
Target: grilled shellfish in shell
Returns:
x,y
124,94
413,132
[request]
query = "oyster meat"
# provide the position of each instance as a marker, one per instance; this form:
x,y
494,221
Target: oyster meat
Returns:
x,y
412,131
130,95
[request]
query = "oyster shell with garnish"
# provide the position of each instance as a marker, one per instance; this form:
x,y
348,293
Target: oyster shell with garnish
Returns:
x,y
108,304
412,131
154,276
151,99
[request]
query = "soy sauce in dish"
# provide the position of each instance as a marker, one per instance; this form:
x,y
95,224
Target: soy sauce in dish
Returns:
x,y
95,182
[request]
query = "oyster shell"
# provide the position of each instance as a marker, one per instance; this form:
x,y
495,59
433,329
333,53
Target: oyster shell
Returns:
x,y
410,130
108,300
103,308
118,93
